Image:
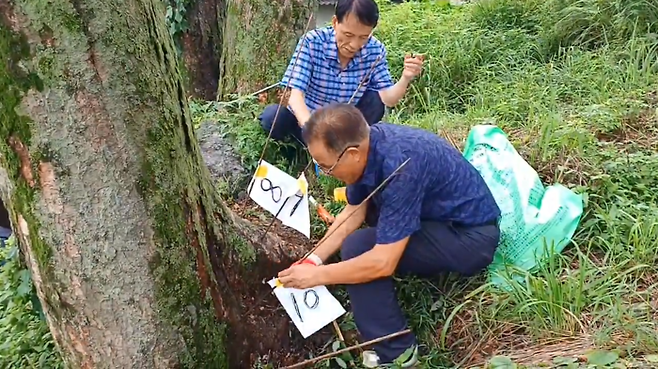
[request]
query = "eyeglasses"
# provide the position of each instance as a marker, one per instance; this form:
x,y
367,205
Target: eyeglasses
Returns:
x,y
328,171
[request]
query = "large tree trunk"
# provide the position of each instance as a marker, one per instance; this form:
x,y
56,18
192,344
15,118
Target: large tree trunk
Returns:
x,y
239,46
259,38
202,46
135,258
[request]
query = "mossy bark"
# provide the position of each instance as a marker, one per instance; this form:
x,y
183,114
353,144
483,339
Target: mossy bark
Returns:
x,y
136,260
259,38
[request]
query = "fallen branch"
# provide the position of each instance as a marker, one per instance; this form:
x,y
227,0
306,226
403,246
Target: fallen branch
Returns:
x,y
451,140
346,349
339,332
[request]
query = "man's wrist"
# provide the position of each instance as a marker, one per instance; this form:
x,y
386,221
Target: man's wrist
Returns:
x,y
303,120
315,259
323,278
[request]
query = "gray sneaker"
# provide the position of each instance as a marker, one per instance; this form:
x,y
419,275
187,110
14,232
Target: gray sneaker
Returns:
x,y
371,360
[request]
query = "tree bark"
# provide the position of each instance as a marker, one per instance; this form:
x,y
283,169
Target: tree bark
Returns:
x,y
202,47
259,38
135,259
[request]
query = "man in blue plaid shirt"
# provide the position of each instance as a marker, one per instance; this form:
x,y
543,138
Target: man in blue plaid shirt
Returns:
x,y
329,65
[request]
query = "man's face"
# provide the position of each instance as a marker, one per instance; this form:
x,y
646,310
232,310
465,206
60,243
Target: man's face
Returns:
x,y
343,166
351,35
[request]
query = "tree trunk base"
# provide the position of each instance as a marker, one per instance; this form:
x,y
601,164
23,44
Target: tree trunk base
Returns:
x,y
272,337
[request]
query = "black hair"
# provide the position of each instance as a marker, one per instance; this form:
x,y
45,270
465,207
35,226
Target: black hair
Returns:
x,y
338,125
366,11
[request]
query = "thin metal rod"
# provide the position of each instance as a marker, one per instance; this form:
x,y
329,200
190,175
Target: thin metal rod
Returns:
x,y
372,67
273,220
346,349
265,89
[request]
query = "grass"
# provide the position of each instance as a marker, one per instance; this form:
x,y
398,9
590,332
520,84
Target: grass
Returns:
x,y
574,85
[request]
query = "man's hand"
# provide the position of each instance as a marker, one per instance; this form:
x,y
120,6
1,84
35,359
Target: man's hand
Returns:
x,y
413,65
300,276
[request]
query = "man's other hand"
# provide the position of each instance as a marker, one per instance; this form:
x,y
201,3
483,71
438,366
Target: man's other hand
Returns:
x,y
413,65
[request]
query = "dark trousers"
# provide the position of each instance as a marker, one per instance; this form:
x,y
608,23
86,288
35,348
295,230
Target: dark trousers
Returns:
x,y
5,233
370,105
436,248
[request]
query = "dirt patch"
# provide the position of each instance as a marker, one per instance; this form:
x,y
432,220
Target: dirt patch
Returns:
x,y
545,352
637,131
472,344
252,212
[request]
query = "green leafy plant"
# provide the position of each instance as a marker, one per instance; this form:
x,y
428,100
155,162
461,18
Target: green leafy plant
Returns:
x,y
343,360
175,17
25,340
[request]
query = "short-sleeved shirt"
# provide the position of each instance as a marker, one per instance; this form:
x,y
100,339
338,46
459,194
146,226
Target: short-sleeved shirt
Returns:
x,y
319,75
437,184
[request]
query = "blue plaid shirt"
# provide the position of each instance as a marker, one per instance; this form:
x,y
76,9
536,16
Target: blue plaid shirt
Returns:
x,y
319,75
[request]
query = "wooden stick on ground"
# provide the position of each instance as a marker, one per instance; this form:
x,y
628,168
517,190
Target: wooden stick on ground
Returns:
x,y
339,332
346,349
449,138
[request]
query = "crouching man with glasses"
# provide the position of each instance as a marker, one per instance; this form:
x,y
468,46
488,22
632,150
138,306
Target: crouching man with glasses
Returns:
x,y
435,215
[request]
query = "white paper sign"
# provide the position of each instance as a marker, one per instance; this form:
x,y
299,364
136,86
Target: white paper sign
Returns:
x,y
313,319
272,189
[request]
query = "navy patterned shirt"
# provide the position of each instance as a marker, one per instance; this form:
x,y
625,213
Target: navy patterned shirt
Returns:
x,y
319,75
437,184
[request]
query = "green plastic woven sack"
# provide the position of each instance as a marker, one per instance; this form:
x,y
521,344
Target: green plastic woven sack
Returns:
x,y
536,222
